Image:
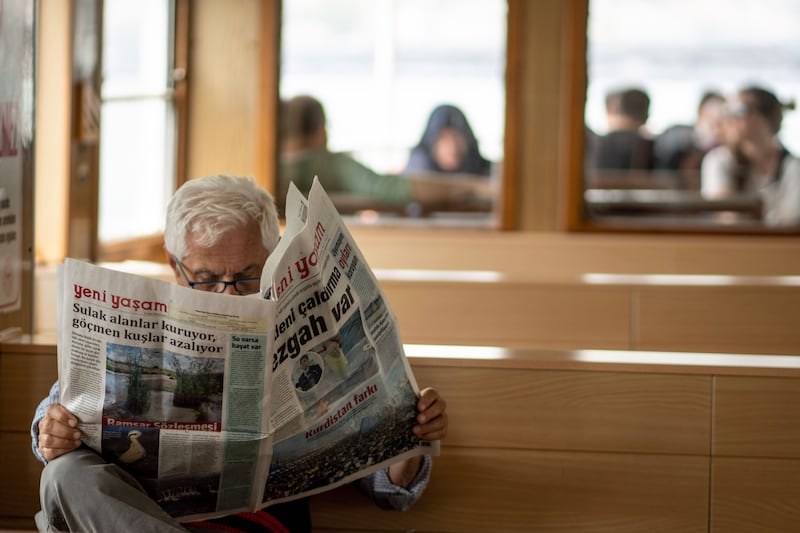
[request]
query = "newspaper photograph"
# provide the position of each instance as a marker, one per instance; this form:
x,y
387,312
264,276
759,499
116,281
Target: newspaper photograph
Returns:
x,y
218,403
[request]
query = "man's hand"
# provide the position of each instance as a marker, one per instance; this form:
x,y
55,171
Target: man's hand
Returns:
x,y
431,425
58,433
431,419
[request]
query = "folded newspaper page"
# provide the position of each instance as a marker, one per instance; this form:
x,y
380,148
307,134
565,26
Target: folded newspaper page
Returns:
x,y
219,403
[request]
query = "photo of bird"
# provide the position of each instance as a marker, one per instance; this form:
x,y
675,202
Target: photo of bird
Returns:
x,y
136,451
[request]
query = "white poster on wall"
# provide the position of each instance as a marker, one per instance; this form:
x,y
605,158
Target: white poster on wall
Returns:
x,y
16,48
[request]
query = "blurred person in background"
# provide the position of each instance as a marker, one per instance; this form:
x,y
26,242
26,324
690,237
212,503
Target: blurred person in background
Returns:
x,y
682,146
752,161
627,145
448,145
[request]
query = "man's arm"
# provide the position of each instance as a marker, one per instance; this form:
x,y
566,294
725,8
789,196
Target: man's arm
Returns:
x,y
716,173
403,483
387,495
54,429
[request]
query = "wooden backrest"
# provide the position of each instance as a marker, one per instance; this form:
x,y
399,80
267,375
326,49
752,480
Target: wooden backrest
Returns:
x,y
600,441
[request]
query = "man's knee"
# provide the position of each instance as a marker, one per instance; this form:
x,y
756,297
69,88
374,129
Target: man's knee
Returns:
x,y
67,469
80,491
75,483
58,482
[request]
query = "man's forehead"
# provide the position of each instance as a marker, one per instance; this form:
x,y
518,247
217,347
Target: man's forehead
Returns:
x,y
225,256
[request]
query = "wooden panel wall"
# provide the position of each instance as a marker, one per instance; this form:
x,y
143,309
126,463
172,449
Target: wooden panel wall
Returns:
x,y
721,318
517,490
741,319
599,450
225,83
540,450
26,374
756,464
558,255
570,410
511,314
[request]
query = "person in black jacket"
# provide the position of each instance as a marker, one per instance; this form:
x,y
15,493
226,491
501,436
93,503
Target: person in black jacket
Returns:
x,y
310,374
627,145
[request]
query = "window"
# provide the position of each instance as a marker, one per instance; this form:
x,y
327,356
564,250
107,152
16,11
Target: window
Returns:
x,y
675,51
138,163
380,67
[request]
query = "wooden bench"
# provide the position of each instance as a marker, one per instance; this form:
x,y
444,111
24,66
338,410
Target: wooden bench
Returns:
x,y
582,440
699,313
602,441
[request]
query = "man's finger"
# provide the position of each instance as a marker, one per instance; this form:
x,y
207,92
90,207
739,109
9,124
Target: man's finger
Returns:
x,y
58,412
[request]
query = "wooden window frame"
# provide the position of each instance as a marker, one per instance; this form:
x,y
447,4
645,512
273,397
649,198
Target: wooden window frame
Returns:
x,y
151,247
575,82
508,195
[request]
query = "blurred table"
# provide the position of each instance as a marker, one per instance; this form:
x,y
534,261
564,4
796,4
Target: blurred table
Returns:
x,y
645,202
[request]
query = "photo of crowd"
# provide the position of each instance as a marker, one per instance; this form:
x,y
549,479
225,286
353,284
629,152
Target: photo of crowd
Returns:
x,y
378,437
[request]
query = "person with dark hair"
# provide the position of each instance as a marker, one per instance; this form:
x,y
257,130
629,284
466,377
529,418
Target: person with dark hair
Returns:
x,y
448,145
305,154
752,160
682,146
302,124
626,146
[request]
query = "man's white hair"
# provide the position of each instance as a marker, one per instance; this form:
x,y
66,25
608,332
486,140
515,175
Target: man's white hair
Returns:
x,y
210,206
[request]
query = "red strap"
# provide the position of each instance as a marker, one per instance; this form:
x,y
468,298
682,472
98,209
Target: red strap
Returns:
x,y
213,525
266,520
261,518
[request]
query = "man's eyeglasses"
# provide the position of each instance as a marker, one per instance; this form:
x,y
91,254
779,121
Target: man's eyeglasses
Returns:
x,y
242,286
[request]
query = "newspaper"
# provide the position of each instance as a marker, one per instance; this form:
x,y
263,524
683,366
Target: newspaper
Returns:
x,y
219,403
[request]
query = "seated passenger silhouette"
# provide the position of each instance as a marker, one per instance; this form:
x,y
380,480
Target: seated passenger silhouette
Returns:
x,y
682,146
305,154
626,146
448,145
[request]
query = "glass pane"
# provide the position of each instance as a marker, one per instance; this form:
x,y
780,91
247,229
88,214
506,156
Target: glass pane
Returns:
x,y
379,68
675,51
135,51
137,145
134,187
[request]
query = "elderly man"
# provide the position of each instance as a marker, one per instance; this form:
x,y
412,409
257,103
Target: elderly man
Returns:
x,y
219,232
